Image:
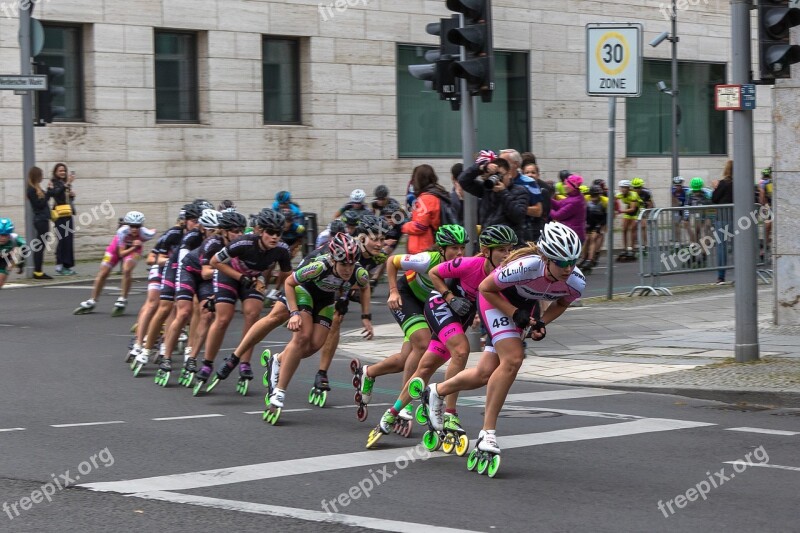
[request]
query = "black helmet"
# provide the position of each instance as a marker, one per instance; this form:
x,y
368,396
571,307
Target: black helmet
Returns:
x,y
269,219
599,182
203,203
350,217
595,189
191,212
564,174
226,204
232,220
372,225
381,191
338,226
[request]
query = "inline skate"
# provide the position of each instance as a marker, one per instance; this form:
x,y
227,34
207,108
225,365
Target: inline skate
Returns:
x,y
223,372
187,372
163,372
384,427
363,385
202,376
85,308
119,307
274,406
318,394
245,377
485,457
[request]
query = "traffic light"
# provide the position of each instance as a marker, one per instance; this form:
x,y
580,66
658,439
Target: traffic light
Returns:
x,y
776,53
476,38
46,98
438,74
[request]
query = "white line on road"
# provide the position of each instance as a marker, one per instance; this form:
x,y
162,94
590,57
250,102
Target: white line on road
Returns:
x,y
765,431
87,424
764,465
261,412
291,512
544,396
185,417
310,465
12,429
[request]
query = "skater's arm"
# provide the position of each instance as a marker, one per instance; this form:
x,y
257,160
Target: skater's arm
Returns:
x,y
489,289
555,310
366,317
295,319
439,284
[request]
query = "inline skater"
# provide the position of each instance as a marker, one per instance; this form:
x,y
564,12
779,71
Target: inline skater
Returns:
x,y
509,304
356,204
629,208
407,298
10,250
293,230
382,199
645,202
449,312
311,294
126,246
324,237
596,222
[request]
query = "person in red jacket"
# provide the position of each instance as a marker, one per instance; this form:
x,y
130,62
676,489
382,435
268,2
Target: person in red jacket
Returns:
x,y
426,211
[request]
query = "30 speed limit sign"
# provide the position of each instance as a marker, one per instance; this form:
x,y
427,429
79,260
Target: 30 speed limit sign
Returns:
x,y
614,59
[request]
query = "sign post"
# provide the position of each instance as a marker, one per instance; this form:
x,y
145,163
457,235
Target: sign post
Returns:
x,y
613,68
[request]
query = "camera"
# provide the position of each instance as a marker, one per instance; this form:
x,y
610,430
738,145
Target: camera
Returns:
x,y
490,181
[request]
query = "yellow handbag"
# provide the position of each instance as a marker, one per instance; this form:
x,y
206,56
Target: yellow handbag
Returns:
x,y
61,211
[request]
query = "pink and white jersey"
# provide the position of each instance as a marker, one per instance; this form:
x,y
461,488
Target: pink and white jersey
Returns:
x,y
468,271
125,239
525,279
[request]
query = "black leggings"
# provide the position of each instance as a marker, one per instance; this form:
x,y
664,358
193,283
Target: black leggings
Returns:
x,y
41,227
65,255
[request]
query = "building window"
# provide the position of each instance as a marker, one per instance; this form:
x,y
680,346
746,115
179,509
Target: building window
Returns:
x,y
701,131
176,76
428,127
281,71
62,48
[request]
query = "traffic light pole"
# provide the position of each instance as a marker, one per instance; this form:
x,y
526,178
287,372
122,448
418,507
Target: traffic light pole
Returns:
x,y
28,140
674,96
745,249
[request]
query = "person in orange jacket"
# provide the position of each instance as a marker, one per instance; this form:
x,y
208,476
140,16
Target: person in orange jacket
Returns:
x,y
426,211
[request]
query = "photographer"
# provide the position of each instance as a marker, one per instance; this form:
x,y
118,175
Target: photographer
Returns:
x,y
503,202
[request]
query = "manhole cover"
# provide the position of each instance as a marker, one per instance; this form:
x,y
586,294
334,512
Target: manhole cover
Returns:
x,y
738,408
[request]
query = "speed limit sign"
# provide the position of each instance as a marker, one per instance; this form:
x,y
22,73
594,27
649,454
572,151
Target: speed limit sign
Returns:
x,y
614,59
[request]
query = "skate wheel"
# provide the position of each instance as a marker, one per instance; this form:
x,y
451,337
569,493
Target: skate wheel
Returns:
x,y
273,415
355,364
361,413
407,429
213,383
449,444
494,465
323,397
241,387
357,382
483,464
472,460
462,445
357,397
197,387
265,356
137,368
265,379
430,440
421,416
415,388
374,437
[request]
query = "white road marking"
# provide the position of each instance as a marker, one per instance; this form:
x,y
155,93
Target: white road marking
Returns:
x,y
87,424
544,396
12,429
310,465
291,512
573,412
186,417
261,412
764,465
765,431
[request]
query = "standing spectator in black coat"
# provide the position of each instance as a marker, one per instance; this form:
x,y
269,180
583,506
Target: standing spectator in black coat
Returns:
x,y
41,218
723,194
61,184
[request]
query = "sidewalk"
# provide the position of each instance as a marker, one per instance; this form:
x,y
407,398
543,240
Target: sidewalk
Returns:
x,y
673,345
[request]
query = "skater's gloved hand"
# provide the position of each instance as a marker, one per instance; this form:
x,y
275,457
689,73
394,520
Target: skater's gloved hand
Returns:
x,y
210,305
245,282
522,318
461,306
538,331
341,305
394,302
367,331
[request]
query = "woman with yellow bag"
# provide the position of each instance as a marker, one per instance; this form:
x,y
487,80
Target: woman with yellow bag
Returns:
x,y
61,189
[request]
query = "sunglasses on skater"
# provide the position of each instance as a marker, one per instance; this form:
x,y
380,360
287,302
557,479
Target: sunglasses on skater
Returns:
x,y
273,232
564,264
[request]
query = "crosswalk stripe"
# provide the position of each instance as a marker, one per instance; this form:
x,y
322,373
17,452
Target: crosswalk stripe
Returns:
x,y
291,512
763,430
764,465
185,417
549,395
310,465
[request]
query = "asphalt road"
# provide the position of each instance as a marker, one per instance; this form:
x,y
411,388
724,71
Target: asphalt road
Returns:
x,y
573,459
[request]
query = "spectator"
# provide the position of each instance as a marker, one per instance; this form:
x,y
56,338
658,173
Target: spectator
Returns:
x,y
765,201
534,210
723,194
528,159
571,211
426,213
457,194
561,192
41,217
502,202
532,171
64,196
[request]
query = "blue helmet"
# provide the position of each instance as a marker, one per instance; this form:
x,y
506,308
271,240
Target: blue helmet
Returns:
x,y
6,226
283,197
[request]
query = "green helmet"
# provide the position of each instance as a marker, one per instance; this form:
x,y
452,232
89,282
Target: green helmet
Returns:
x,y
696,184
451,234
637,182
767,171
498,235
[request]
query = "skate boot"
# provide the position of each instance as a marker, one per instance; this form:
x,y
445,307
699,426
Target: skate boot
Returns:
x,y
223,372
85,308
163,372
245,376
384,427
274,406
403,424
187,353
187,373
486,454
319,392
433,407
455,438
119,307
202,376
180,346
140,360
162,348
134,351
273,371
363,385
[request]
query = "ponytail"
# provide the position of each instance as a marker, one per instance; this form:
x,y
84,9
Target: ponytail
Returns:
x,y
530,248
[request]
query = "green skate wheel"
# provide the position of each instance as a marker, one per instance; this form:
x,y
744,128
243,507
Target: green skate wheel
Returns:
x,y
273,416
472,460
265,415
241,387
420,416
312,397
265,356
494,465
462,445
266,400
430,440
415,388
215,380
265,379
483,464
323,397
137,369
197,387
449,444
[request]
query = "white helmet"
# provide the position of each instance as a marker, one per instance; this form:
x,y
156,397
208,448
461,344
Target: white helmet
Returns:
x,y
625,183
209,219
677,180
133,217
560,243
358,196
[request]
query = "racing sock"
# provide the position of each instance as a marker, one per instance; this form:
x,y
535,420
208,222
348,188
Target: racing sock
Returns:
x,y
398,406
451,411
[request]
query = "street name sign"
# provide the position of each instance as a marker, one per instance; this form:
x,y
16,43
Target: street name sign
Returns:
x,y
34,82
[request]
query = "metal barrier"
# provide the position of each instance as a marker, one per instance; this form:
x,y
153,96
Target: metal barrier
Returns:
x,y
679,240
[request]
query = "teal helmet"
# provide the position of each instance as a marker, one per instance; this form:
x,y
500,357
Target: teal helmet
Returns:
x,y
498,235
6,226
450,235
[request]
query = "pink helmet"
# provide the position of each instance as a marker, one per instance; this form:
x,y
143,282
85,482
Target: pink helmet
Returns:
x,y
575,181
343,248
